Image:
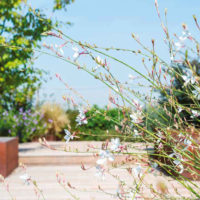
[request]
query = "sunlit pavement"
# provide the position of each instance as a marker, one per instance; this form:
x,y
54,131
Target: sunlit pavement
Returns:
x,y
84,183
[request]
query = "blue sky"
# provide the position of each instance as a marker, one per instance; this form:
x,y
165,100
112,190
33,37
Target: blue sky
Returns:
x,y
110,23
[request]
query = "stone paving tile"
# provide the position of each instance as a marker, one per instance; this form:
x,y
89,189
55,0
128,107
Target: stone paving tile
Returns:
x,y
82,180
36,154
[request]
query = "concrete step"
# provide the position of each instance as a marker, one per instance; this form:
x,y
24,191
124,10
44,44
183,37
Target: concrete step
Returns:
x,y
74,153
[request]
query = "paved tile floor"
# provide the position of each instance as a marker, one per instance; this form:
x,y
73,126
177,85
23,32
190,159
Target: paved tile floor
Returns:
x,y
85,182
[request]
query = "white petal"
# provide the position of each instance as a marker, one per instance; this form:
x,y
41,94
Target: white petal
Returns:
x,y
75,49
76,55
101,161
111,158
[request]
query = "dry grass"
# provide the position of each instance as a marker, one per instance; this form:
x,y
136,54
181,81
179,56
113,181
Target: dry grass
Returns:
x,y
55,118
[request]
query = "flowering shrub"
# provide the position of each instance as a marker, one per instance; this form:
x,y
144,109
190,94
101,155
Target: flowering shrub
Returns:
x,y
24,124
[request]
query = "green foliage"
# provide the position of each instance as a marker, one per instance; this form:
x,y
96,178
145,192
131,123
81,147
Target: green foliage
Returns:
x,y
20,32
60,4
184,89
101,118
156,118
101,124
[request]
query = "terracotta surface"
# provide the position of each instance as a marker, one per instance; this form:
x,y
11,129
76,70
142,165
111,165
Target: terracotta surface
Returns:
x,y
8,155
189,171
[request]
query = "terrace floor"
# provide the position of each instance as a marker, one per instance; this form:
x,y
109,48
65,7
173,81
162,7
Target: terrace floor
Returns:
x,y
49,162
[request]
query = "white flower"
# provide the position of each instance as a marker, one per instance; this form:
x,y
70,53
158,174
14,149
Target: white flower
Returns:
x,y
181,134
180,109
178,45
136,117
115,144
116,89
81,118
100,172
76,53
178,159
26,178
138,171
60,49
176,162
196,92
136,133
181,168
188,79
187,142
99,60
195,113
131,77
104,156
186,33
182,38
154,165
172,58
68,136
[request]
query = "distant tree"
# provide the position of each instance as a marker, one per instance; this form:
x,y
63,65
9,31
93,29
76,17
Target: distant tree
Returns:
x,y
185,89
21,28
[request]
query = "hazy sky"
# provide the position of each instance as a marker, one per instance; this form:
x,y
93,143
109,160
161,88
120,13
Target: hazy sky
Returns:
x,y
110,23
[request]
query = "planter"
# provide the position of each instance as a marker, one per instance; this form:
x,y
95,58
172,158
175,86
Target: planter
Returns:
x,y
182,161
8,155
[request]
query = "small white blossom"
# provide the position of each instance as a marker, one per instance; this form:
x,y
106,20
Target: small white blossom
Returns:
x,y
181,134
154,165
100,172
178,45
116,89
26,178
182,38
188,80
76,53
81,118
186,33
196,92
172,58
180,109
99,60
195,113
131,77
181,168
60,49
136,117
136,133
187,142
188,77
115,144
176,162
68,136
104,156
138,171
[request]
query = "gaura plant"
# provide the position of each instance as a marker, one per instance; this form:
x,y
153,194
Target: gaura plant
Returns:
x,y
169,123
